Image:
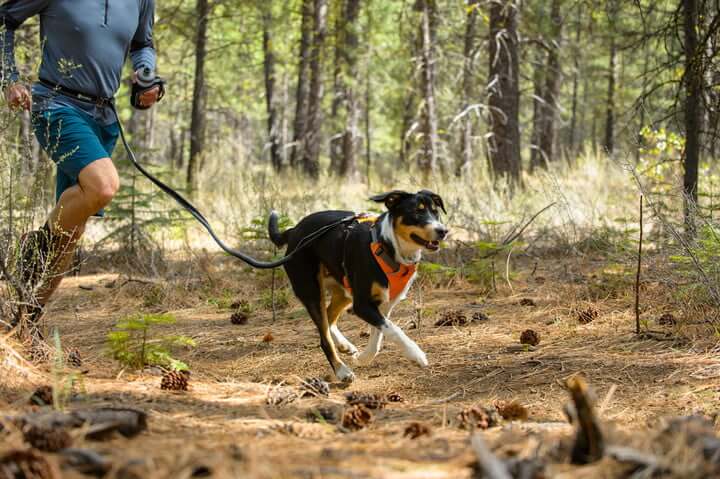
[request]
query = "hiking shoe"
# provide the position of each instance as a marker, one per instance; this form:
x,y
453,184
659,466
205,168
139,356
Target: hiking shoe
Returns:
x,y
33,257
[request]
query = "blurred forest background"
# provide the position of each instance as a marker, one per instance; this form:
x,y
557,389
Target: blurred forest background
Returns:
x,y
483,95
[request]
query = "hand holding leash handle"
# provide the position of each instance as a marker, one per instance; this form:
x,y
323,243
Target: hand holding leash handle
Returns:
x,y
144,81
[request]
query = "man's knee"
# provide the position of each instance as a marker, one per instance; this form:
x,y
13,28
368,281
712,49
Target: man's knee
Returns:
x,y
100,183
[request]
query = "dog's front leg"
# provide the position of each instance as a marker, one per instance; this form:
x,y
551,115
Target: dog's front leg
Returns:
x,y
370,313
373,348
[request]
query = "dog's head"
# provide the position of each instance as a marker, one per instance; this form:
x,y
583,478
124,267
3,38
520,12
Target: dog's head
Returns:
x,y
415,217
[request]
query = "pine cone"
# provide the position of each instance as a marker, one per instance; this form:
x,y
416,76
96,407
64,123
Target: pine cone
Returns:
x,y
667,319
371,401
49,440
394,397
454,317
43,396
416,429
239,318
322,414
315,387
356,417
73,358
480,316
527,302
29,464
478,417
512,411
587,316
175,381
530,337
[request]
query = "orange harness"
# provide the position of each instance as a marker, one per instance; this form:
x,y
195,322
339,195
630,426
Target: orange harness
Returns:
x,y
397,274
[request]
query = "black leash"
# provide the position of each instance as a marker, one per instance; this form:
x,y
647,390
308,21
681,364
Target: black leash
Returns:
x,y
306,241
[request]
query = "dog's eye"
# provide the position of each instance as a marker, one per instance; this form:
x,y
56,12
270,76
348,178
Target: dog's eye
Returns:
x,y
421,208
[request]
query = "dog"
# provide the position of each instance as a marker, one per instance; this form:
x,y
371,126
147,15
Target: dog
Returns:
x,y
369,263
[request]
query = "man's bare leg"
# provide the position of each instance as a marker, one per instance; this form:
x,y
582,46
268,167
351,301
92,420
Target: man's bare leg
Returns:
x,y
97,184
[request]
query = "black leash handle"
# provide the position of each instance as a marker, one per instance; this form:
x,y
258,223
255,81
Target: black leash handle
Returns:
x,y
201,219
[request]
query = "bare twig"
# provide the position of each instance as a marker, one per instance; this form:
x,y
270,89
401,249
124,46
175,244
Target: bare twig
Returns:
x,y
512,238
639,267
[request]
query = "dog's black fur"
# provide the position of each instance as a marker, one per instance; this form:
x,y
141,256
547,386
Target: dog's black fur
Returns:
x,y
410,225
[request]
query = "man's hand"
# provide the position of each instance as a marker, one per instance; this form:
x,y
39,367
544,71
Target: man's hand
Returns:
x,y
18,96
148,98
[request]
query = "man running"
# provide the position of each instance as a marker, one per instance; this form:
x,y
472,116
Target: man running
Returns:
x,y
84,46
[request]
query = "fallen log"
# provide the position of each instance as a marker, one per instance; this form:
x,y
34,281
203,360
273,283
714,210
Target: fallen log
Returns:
x,y
487,465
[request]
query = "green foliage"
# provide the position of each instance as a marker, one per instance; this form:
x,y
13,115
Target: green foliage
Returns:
x,y
134,342
282,298
706,251
64,382
489,258
436,273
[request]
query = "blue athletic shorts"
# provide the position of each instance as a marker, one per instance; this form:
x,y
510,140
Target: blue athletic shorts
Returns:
x,y
73,139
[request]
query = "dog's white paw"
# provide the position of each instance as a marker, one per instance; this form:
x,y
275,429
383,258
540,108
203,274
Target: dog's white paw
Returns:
x,y
342,343
345,374
348,348
415,354
366,357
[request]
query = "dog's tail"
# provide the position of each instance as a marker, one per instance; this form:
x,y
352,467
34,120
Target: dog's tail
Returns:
x,y
278,238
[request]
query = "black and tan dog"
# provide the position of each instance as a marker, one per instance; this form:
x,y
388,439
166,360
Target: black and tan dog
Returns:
x,y
369,264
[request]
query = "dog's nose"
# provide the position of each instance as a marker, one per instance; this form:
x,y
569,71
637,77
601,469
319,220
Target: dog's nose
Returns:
x,y
441,232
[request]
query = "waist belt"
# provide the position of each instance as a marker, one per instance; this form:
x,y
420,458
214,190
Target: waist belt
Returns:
x,y
97,100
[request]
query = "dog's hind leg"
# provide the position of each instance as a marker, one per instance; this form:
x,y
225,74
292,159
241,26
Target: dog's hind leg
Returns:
x,y
339,302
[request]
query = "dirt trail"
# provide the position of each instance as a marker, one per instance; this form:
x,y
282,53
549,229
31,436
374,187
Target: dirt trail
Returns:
x,y
224,424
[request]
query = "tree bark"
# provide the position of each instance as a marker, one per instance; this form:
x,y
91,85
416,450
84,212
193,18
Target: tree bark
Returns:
x,y
504,91
549,107
343,146
198,121
270,76
536,154
609,143
303,83
312,140
576,72
468,82
693,110
428,159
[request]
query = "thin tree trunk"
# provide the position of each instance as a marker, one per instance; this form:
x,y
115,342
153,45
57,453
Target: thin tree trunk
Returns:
x,y
198,121
504,91
428,159
312,142
551,91
270,103
576,72
303,83
693,111
368,92
536,153
468,82
345,109
609,144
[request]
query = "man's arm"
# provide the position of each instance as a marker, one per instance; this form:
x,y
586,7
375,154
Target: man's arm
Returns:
x,y
142,50
12,14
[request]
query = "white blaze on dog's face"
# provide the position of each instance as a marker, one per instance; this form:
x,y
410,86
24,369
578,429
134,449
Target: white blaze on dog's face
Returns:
x,y
416,219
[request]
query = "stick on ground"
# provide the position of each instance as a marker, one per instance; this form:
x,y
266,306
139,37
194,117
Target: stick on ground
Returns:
x,y
589,443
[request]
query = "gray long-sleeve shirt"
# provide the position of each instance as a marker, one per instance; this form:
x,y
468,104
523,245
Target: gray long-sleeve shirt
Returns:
x,y
84,46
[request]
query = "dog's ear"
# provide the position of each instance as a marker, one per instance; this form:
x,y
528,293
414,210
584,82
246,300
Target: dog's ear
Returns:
x,y
435,199
391,198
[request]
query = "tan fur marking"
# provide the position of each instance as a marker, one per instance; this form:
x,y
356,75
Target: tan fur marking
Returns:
x,y
404,231
339,302
325,325
379,293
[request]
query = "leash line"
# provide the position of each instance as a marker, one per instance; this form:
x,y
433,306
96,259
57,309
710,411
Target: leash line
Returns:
x,y
190,208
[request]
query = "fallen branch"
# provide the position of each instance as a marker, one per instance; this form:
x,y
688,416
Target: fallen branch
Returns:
x,y
491,466
589,443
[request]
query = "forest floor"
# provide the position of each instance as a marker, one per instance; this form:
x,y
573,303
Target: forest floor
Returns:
x,y
223,426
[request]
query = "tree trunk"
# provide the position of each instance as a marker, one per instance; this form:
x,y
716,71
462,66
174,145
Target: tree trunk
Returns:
x,y
312,140
343,146
536,153
428,159
468,82
693,111
504,91
576,72
303,84
551,92
609,144
197,124
270,103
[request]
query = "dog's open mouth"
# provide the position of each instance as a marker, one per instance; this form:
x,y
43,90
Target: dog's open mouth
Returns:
x,y
431,245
